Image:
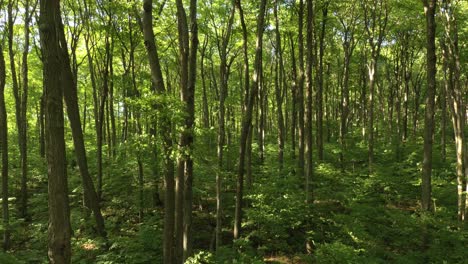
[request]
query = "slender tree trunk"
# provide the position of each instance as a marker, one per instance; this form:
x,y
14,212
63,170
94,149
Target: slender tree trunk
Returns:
x,y
4,154
309,98
224,74
348,48
20,100
42,125
279,89
59,247
70,94
319,76
376,17
451,63
188,45
100,120
206,114
300,93
247,118
165,128
429,9
294,91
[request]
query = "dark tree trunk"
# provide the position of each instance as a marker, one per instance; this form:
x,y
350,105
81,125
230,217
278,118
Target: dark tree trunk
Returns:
x,y
20,95
70,94
426,199
165,128
300,91
279,89
223,42
4,153
309,98
319,80
59,247
247,118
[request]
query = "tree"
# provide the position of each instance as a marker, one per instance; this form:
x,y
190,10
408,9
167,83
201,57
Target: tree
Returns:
x,y
309,99
348,21
452,72
279,70
222,41
247,118
59,247
300,89
4,151
319,78
375,19
188,46
431,70
165,125
70,95
21,97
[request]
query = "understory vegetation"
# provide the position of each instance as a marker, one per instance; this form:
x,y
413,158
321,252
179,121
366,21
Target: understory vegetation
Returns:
x,y
355,218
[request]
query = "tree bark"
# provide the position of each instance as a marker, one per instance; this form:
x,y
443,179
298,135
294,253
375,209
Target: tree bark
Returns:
x,y
188,45
279,89
70,94
165,127
348,44
319,80
247,118
4,154
59,247
451,62
300,91
21,96
429,10
222,42
376,19
309,98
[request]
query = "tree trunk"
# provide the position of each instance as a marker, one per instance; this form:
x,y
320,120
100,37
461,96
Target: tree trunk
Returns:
x,y
348,48
300,93
20,100
279,89
223,76
376,18
309,98
429,9
319,79
59,247
70,94
451,63
247,118
165,128
294,103
4,153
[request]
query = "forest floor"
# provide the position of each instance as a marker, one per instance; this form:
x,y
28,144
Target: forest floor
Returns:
x,y
356,217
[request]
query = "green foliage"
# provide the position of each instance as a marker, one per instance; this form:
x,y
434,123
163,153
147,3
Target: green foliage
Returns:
x,y
9,259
